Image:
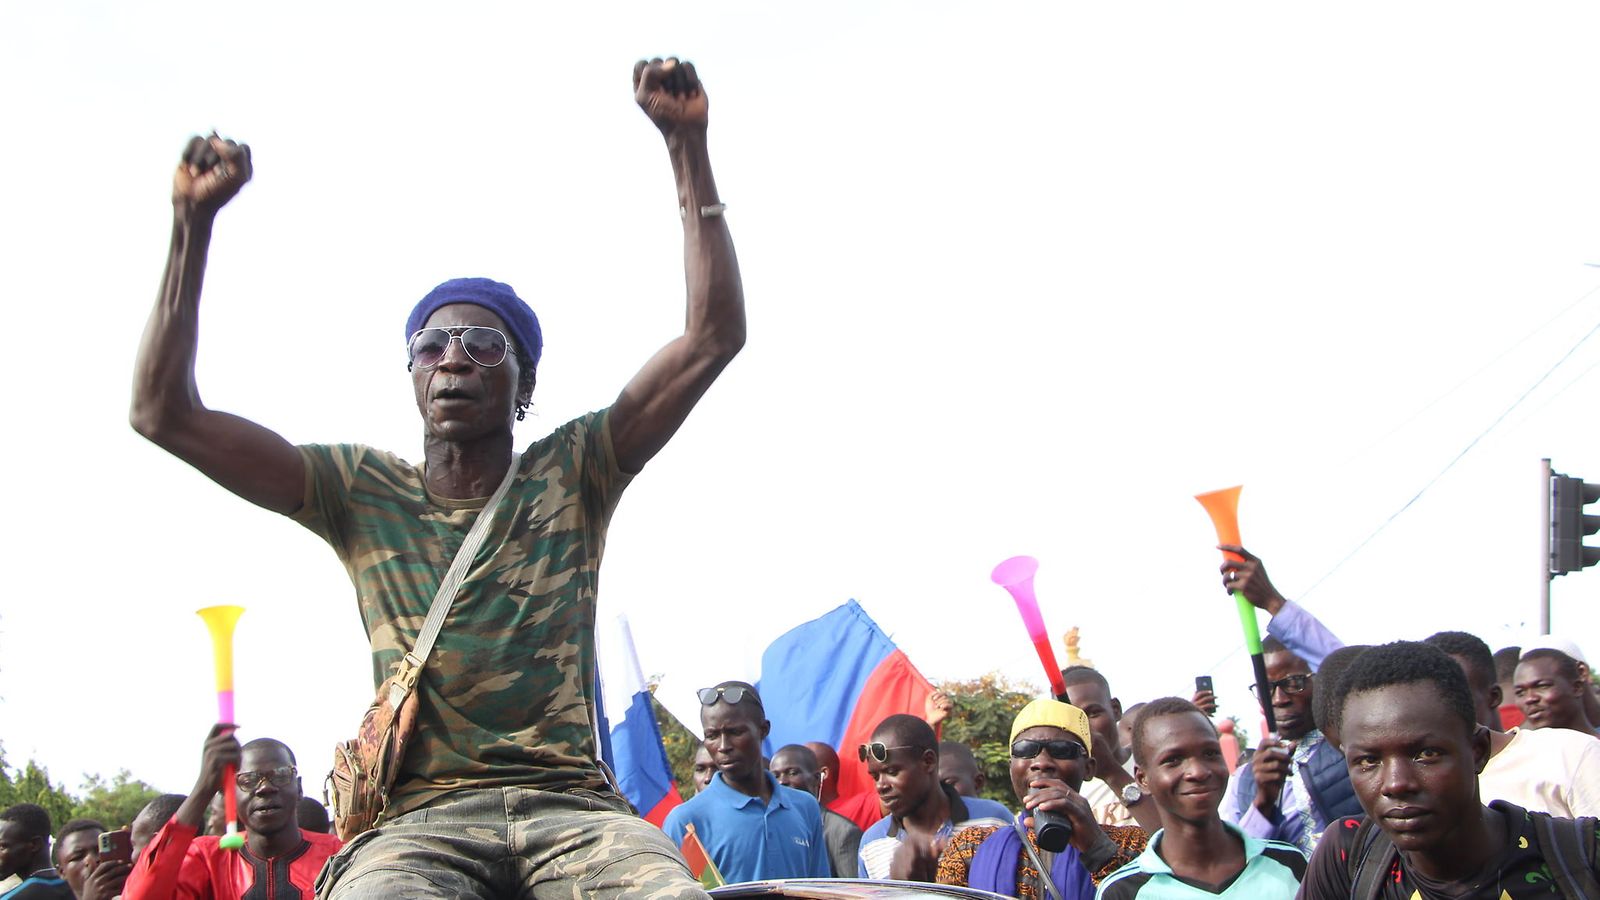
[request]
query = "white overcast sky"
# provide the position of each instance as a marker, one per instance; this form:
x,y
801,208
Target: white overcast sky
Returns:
x,y
1022,278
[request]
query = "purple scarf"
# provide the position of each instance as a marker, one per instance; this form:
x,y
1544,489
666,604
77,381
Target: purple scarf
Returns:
x,y
994,867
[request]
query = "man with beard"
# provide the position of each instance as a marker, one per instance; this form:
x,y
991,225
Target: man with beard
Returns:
x,y
278,859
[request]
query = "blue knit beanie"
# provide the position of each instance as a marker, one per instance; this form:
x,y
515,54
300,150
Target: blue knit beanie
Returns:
x,y
494,296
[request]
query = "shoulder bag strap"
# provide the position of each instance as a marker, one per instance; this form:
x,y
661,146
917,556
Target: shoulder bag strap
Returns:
x,y
411,665
1568,848
1373,853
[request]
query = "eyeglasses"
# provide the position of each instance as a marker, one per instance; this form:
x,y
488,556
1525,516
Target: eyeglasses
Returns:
x,y
1292,685
878,750
1063,749
734,694
484,345
282,776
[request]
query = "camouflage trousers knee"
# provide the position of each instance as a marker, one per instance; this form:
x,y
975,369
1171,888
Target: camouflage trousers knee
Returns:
x,y
511,843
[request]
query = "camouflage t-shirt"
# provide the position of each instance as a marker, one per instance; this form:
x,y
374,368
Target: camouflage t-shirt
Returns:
x,y
506,698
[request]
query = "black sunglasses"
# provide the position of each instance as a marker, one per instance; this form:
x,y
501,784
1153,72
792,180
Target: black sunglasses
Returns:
x,y
878,750
1060,750
734,695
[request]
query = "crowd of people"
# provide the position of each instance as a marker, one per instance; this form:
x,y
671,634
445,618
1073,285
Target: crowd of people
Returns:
x,y
1395,759
1397,771
1392,774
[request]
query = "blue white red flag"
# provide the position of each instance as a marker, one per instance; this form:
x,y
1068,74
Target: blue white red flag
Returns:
x,y
630,741
833,679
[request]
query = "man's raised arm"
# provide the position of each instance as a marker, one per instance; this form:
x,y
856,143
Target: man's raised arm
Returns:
x,y
252,461
658,399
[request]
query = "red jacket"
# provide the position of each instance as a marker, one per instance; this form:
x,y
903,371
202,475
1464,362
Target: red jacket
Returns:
x,y
178,864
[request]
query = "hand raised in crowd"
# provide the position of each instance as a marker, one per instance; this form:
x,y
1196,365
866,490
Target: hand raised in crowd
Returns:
x,y
1206,701
937,708
1270,766
670,93
106,879
212,171
221,750
1053,795
1247,574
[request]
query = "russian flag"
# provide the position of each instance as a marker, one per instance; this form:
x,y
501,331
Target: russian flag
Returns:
x,y
630,743
833,679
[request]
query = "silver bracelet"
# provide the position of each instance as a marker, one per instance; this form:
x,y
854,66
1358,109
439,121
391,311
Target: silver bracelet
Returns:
x,y
714,211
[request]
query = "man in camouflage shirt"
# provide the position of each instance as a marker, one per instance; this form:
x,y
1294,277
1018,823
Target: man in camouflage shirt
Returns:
x,y
499,794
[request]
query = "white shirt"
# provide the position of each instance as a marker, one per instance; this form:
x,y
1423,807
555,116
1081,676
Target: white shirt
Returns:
x,y
1549,770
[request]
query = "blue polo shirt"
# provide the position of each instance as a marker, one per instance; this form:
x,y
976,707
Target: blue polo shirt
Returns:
x,y
752,841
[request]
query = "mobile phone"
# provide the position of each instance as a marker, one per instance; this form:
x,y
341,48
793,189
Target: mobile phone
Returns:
x,y
1202,683
117,846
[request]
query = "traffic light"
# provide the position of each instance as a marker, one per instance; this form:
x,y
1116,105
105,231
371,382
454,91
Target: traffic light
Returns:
x,y
1569,525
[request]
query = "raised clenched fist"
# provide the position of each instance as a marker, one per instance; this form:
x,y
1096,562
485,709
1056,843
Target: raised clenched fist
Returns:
x,y
670,93
212,170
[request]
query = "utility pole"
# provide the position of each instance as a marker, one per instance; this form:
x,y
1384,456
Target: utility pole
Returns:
x,y
1546,486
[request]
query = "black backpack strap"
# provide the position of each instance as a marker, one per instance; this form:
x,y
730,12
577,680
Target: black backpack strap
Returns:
x,y
1568,847
1371,852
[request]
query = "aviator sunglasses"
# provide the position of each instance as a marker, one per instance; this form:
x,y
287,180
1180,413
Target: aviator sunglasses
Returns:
x,y
484,345
1060,750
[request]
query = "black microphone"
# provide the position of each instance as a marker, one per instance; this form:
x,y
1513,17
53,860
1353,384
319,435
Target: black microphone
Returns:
x,y
1052,830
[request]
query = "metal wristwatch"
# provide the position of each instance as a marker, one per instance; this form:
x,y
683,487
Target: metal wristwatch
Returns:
x,y
1131,794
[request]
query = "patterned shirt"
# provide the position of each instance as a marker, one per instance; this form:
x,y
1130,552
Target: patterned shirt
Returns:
x,y
955,863
507,697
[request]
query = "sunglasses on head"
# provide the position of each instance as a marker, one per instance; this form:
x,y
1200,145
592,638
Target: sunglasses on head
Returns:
x,y
484,345
878,750
734,694
282,776
1061,750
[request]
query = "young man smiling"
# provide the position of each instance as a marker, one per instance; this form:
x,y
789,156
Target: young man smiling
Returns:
x,y
752,827
277,860
1195,854
1414,747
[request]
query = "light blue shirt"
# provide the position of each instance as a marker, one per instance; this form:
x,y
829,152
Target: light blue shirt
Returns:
x,y
1272,871
751,841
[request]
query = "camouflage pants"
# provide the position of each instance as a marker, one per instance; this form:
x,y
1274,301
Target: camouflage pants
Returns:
x,y
511,843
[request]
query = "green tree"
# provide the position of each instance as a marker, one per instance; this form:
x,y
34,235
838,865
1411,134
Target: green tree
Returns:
x,y
113,804
680,744
32,784
981,715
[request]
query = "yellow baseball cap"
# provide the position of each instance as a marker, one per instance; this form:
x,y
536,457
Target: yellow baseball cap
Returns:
x,y
1065,716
